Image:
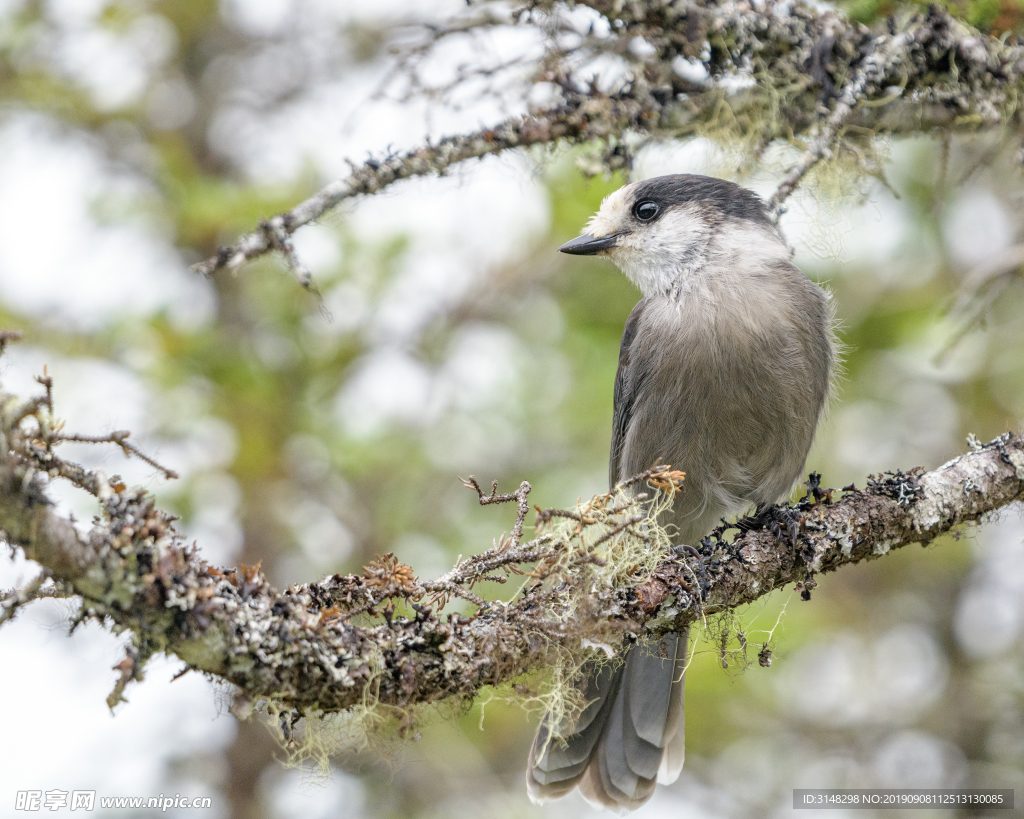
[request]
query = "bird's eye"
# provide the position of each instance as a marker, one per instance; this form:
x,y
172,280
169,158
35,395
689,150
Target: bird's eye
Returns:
x,y
646,211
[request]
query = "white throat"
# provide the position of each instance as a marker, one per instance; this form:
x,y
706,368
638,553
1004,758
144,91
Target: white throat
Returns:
x,y
683,254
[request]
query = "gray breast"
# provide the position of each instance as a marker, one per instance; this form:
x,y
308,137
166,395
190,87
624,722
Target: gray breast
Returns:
x,y
730,394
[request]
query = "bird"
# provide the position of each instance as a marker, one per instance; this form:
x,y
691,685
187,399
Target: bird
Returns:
x,y
725,370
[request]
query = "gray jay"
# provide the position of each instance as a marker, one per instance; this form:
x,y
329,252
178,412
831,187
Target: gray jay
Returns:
x,y
724,372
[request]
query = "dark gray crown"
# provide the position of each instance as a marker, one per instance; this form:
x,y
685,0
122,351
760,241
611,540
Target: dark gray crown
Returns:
x,y
679,188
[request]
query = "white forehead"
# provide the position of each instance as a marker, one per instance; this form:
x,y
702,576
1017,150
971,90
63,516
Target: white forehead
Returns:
x,y
613,212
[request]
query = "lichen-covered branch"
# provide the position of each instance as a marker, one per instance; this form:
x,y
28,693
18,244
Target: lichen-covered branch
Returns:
x,y
810,77
873,69
576,122
604,572
12,600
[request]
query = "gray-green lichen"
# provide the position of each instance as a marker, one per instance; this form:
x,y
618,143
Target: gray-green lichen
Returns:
x,y
605,574
774,72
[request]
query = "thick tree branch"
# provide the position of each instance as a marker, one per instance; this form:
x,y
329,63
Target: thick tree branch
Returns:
x,y
816,75
302,649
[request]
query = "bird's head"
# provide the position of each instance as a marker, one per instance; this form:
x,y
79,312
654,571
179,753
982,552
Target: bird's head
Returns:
x,y
660,230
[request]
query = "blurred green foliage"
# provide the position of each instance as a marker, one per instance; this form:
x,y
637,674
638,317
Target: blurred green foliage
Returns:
x,y
995,17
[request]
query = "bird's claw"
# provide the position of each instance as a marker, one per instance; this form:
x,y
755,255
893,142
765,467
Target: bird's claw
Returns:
x,y
782,521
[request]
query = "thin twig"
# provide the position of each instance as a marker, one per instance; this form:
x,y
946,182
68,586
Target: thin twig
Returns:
x,y
120,438
14,599
6,337
978,292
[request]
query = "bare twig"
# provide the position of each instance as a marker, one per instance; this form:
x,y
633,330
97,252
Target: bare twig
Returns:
x,y
279,239
120,438
47,383
6,337
978,292
520,496
14,599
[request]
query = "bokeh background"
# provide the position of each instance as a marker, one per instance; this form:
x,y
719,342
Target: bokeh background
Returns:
x,y
136,136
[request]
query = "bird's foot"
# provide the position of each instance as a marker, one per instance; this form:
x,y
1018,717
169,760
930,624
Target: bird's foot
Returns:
x,y
782,521
783,517
748,523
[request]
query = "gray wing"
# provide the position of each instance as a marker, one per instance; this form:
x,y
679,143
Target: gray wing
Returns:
x,y
629,381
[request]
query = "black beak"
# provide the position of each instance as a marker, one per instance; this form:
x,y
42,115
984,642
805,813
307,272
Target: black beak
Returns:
x,y
587,245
